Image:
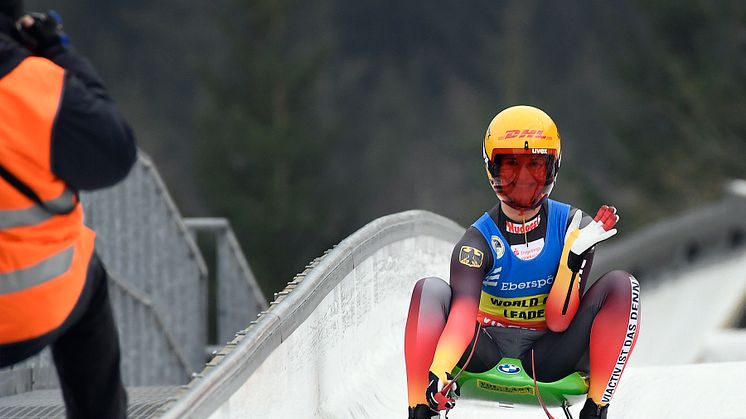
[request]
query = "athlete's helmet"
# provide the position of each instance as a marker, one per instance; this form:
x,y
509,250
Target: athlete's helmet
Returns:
x,y
522,156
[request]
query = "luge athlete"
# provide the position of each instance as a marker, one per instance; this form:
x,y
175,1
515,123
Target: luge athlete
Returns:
x,y
521,271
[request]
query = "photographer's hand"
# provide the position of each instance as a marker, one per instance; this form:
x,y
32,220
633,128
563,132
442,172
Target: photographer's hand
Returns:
x,y
41,31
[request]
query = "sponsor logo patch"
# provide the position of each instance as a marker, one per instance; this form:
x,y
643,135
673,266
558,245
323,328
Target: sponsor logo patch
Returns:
x,y
526,133
509,368
498,245
498,388
519,309
525,285
492,278
470,256
520,228
627,344
523,252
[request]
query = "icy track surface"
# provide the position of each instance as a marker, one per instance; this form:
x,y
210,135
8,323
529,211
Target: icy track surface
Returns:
x,y
333,348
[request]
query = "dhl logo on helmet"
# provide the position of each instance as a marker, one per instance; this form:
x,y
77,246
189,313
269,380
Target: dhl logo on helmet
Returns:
x,y
526,149
526,133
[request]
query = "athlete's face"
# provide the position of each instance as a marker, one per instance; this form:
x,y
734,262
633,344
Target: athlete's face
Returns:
x,y
521,177
527,170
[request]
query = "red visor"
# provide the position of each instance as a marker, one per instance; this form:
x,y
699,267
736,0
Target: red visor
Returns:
x,y
523,180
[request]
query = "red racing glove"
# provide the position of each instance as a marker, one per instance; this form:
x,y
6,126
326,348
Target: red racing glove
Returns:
x,y
600,229
436,397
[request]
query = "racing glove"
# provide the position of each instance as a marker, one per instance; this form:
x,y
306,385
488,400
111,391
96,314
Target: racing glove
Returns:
x,y
564,297
436,397
600,229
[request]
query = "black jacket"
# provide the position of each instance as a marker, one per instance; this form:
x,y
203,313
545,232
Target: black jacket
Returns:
x,y
92,145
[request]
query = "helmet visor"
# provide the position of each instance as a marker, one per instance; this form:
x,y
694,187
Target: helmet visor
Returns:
x,y
523,179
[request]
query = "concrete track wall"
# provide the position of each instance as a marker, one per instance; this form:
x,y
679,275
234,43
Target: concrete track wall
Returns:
x,y
337,336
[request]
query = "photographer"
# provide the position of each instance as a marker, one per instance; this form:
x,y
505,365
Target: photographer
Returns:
x,y
59,133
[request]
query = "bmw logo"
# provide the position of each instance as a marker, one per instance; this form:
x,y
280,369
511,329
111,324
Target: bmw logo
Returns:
x,y
509,368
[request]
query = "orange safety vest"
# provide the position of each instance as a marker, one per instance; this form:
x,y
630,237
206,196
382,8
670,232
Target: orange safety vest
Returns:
x,y
43,257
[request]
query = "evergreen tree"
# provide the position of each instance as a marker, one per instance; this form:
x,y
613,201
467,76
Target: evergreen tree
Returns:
x,y
262,149
682,65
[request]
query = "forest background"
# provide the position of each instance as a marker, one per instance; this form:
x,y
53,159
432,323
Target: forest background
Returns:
x,y
301,121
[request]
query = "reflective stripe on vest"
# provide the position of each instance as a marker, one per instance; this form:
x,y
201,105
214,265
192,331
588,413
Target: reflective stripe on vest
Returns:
x,y
47,269
36,214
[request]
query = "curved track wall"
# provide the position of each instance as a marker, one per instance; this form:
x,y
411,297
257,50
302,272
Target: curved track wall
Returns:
x,y
316,350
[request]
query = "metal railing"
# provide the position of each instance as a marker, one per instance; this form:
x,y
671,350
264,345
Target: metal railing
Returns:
x,y
143,241
238,297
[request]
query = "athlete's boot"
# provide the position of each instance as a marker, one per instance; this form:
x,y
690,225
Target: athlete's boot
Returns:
x,y
423,411
593,411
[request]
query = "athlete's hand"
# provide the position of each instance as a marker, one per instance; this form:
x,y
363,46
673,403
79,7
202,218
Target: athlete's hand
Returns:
x,y
436,397
600,229
564,297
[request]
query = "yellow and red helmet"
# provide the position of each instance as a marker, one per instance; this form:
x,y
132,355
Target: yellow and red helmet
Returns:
x,y
522,155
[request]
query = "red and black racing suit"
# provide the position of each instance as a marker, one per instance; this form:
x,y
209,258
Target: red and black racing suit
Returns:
x,y
441,322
